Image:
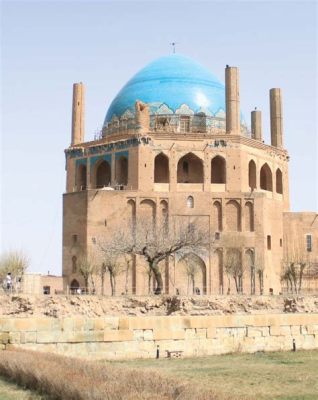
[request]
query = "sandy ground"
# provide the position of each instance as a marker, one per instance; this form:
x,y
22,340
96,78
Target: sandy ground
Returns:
x,y
96,306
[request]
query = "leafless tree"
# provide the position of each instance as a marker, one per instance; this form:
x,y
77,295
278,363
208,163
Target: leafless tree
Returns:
x,y
259,267
16,262
155,242
233,263
192,269
296,259
87,267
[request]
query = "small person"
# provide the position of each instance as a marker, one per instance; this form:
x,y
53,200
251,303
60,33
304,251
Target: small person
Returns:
x,y
9,281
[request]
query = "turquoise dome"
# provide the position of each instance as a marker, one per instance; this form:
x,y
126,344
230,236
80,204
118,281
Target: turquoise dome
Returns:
x,y
171,84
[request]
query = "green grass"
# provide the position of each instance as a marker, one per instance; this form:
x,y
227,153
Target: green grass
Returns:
x,y
10,391
281,376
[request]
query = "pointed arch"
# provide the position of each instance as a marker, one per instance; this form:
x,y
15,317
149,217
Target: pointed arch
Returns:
x,y
131,204
252,174
74,286
279,181
190,169
81,177
217,215
233,216
218,265
249,216
121,171
148,210
218,170
161,172
195,269
74,264
266,178
102,174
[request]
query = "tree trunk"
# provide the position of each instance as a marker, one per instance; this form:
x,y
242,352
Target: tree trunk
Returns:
x,y
236,284
111,283
149,282
155,268
102,282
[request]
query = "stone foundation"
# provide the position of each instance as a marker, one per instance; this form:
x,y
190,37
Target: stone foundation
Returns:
x,y
138,337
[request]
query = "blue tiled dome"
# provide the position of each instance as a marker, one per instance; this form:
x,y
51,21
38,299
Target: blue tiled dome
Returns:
x,y
171,84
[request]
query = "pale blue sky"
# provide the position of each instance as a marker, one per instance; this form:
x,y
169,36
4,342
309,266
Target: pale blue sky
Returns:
x,y
46,46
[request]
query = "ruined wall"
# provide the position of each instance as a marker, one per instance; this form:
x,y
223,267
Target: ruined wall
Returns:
x,y
138,337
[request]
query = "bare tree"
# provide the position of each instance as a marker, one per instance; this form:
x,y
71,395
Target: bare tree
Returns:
x,y
192,269
296,259
259,267
16,262
87,267
233,263
156,242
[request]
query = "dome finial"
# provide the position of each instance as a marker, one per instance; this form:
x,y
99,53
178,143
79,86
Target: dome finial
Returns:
x,y
173,44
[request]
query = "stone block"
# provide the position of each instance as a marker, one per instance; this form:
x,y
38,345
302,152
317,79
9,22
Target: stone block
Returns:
x,y
148,334
28,337
24,324
295,330
211,333
190,334
117,335
47,337
4,337
42,324
254,332
138,334
166,334
201,333
2,347
123,323
14,337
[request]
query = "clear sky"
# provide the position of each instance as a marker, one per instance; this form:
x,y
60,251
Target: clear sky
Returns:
x,y
46,46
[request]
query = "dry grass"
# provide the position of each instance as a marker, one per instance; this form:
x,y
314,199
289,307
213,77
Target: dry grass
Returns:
x,y
261,376
10,391
67,378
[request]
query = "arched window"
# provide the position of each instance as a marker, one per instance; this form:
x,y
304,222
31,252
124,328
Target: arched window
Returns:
x,y
74,264
132,214
190,202
249,216
279,181
164,214
81,177
148,210
161,174
122,171
74,286
103,174
190,169
217,216
252,174
266,178
218,170
233,216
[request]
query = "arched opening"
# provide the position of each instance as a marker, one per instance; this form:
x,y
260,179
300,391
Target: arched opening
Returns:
x,y
195,270
81,177
190,169
252,174
218,170
74,286
103,174
161,174
279,181
234,268
218,262
148,211
74,264
250,266
164,213
233,216
132,214
190,202
266,178
249,216
121,171
217,216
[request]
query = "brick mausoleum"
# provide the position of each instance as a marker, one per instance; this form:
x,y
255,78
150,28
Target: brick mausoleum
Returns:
x,y
174,144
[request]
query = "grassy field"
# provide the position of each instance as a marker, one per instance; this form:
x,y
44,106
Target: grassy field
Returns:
x,y
283,376
10,391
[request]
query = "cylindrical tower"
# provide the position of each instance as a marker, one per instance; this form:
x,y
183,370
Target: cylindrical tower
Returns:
x,y
276,113
256,124
78,131
232,100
